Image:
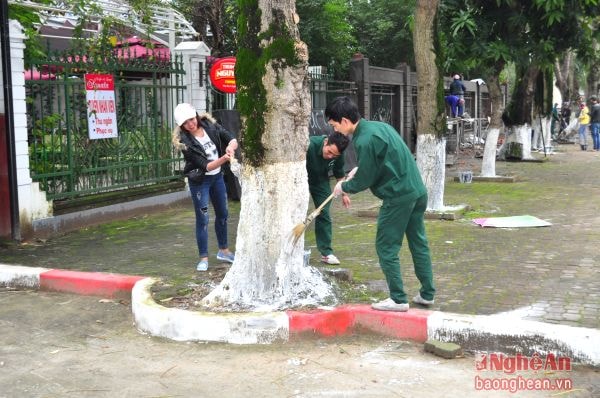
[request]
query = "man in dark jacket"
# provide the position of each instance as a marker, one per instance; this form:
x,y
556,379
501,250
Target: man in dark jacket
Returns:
x,y
457,88
595,122
325,155
387,167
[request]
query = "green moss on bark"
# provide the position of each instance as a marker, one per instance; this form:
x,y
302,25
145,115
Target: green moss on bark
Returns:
x,y
252,59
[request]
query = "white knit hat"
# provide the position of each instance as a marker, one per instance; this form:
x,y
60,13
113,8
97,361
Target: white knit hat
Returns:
x,y
183,112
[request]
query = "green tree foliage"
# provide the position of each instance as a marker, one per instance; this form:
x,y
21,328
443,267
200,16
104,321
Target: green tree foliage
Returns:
x,y
383,30
29,19
483,35
215,21
325,29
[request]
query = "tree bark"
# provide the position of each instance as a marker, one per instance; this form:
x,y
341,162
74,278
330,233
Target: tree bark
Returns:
x,y
430,108
209,13
593,81
488,164
269,271
561,72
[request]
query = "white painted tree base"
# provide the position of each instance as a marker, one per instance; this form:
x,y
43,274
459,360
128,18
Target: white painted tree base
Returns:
x,y
269,272
431,161
490,150
522,135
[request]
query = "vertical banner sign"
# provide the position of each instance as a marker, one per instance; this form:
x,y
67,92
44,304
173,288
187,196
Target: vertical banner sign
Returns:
x,y
101,108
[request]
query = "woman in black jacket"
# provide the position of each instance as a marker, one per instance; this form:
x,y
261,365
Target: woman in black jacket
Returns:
x,y
206,146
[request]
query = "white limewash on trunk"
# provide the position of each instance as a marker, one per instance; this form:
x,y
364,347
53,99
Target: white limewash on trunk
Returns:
x,y
488,164
431,161
269,272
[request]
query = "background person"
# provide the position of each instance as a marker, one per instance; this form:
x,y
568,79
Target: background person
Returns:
x,y
324,155
206,146
565,114
458,89
452,101
595,120
584,121
387,167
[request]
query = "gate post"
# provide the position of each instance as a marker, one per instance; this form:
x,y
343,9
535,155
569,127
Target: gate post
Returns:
x,y
359,73
194,54
32,202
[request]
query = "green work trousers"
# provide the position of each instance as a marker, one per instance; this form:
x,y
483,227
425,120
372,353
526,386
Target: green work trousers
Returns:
x,y
319,193
393,222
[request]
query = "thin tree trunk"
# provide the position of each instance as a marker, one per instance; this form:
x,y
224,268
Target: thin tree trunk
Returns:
x,y
593,81
269,271
431,147
488,164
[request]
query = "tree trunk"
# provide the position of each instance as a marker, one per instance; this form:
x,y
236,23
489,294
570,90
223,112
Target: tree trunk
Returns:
x,y
518,117
488,164
561,72
269,272
593,81
431,147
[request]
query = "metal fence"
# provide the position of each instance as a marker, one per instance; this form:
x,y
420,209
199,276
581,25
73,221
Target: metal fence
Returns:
x,y
65,161
323,88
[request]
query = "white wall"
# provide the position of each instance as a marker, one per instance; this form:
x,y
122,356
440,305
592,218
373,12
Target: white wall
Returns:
x,y
32,202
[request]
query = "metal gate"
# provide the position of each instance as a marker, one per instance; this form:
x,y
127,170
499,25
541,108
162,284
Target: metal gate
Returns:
x,y
68,164
383,103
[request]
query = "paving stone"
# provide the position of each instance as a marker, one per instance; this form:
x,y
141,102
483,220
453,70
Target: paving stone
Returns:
x,y
443,349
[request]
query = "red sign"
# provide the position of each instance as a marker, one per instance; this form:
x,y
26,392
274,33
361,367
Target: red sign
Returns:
x,y
99,82
222,75
101,106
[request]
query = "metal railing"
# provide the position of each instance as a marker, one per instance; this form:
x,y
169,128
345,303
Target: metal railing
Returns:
x,y
65,161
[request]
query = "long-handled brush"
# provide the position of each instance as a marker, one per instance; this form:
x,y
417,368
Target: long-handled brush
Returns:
x,y
300,228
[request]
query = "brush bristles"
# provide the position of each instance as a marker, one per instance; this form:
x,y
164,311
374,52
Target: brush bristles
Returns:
x,y
298,231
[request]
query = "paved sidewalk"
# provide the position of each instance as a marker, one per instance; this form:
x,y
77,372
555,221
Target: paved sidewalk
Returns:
x,y
100,355
546,274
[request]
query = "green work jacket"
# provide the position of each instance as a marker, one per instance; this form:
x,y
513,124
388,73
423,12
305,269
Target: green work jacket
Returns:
x,y
318,168
385,164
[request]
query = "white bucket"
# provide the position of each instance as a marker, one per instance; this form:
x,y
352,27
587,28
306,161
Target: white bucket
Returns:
x,y
307,257
465,177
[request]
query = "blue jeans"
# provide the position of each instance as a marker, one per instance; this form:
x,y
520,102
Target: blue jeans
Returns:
x,y
596,135
213,188
582,134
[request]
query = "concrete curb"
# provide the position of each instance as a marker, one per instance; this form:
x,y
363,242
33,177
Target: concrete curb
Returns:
x,y
488,333
181,325
85,283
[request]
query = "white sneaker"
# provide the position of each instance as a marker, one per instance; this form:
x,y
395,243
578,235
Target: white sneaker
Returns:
x,y
330,259
420,300
390,305
202,266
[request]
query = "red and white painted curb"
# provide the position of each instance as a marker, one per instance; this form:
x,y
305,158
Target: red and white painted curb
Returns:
x,y
84,283
489,333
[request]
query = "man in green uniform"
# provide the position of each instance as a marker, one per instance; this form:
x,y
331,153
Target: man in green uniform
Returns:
x,y
387,167
323,156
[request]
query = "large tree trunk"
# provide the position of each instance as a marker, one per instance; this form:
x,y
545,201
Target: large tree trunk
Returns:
x,y
431,147
488,164
518,117
269,271
593,81
563,71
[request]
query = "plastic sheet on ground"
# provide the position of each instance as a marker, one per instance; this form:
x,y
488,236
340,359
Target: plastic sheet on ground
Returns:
x,y
511,222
